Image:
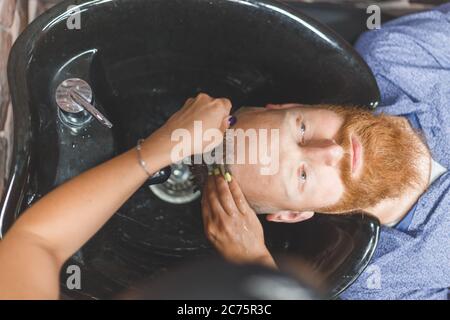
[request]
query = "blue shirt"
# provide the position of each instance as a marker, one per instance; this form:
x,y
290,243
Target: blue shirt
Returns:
x,y
410,58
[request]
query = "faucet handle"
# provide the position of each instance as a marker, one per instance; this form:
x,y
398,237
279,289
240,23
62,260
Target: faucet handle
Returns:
x,y
78,98
75,95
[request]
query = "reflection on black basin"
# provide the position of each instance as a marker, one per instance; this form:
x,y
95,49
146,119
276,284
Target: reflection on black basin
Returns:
x,y
143,59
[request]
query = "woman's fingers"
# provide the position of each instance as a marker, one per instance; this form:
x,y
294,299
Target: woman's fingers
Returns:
x,y
225,124
239,198
214,203
224,195
226,104
208,222
188,103
206,209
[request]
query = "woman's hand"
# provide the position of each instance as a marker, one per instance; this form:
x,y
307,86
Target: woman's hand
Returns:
x,y
211,113
231,225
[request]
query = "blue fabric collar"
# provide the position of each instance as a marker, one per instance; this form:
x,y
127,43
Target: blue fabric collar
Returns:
x,y
404,224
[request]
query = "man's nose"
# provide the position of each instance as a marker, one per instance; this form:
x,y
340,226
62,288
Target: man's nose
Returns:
x,y
327,152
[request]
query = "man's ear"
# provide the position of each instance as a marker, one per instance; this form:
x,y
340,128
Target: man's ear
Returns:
x,y
289,216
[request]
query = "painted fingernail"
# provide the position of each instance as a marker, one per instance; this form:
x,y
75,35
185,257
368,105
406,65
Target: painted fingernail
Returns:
x,y
232,120
216,171
228,177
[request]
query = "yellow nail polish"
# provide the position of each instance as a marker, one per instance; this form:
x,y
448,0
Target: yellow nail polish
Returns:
x,y
228,177
216,171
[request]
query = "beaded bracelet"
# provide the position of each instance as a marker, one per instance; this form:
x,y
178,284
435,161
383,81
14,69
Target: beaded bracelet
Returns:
x,y
142,163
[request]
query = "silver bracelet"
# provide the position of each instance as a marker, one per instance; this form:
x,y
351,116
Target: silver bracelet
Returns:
x,y
142,163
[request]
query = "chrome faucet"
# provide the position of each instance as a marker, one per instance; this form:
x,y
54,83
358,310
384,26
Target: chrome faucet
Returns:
x,y
74,96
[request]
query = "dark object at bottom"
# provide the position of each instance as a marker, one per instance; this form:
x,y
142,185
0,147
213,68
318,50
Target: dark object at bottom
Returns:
x,y
216,279
334,247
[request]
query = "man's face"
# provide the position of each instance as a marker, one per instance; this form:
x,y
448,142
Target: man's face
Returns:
x,y
331,159
310,158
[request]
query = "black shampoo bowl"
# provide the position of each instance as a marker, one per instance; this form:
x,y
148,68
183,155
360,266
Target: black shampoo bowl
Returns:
x,y
143,59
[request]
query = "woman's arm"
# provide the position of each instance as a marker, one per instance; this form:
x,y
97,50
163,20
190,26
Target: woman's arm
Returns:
x,y
46,235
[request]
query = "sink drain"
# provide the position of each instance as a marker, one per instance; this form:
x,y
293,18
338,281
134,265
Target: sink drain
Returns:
x,y
179,188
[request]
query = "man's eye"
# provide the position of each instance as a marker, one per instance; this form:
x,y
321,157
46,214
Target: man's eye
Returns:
x,y
302,132
303,176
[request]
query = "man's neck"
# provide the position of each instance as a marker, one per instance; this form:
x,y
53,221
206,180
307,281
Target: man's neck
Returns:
x,y
391,211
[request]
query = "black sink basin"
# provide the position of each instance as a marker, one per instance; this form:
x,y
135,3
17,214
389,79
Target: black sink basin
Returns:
x,y
143,59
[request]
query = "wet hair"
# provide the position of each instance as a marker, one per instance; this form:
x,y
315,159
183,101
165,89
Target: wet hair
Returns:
x,y
200,174
200,171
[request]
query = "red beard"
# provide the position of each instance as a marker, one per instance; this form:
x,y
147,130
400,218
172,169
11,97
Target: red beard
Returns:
x,y
389,156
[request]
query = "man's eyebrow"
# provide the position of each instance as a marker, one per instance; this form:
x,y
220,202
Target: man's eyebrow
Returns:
x,y
299,118
292,124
